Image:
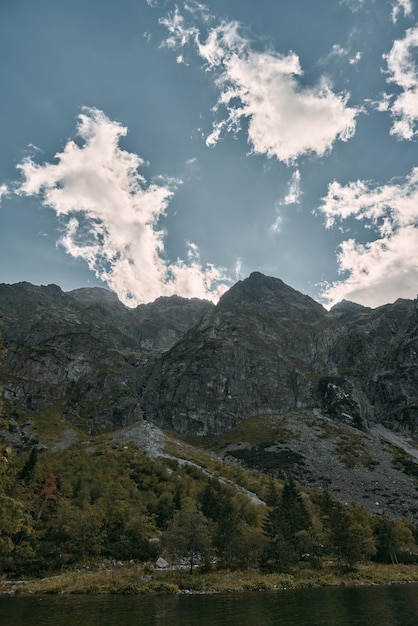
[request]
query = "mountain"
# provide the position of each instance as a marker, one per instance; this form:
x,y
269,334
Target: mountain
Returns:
x,y
267,378
84,352
268,348
255,352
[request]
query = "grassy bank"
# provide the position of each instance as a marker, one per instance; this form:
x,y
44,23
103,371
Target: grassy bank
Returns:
x,y
134,579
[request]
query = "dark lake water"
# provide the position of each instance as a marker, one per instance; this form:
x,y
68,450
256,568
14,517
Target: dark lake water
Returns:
x,y
366,606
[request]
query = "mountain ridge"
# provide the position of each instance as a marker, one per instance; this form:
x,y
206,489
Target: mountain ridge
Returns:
x,y
84,359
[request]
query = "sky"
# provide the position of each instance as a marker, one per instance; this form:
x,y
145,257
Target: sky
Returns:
x,y
158,148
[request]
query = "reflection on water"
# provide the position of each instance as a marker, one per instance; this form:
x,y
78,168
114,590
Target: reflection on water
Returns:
x,y
366,606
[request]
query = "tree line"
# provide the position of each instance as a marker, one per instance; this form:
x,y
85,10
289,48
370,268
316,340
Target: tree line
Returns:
x,y
59,509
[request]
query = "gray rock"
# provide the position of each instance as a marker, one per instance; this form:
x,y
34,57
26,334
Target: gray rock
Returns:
x,y
84,352
268,348
339,379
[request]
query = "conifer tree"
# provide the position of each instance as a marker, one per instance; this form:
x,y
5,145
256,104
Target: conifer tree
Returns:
x,y
286,525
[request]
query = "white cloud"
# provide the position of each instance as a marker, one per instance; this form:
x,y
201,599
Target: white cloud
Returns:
x,y
294,192
383,104
338,50
4,191
401,5
111,215
276,227
262,91
292,197
386,268
356,58
239,270
339,53
403,72
179,33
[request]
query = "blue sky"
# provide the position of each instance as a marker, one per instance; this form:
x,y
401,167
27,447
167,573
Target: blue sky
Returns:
x,y
160,147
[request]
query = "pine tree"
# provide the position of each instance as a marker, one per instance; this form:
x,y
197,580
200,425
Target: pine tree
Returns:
x,y
286,525
221,505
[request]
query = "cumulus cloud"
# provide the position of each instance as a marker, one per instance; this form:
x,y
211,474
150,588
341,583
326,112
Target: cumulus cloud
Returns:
x,y
111,215
399,6
403,72
4,191
262,92
386,268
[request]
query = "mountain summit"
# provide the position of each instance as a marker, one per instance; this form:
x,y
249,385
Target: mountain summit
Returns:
x,y
260,290
253,353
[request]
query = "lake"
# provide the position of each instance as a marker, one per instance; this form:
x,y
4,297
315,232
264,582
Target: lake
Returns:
x,y
367,606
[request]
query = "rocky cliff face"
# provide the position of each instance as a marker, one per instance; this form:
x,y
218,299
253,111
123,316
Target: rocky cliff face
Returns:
x,y
155,326
200,369
256,352
267,348
375,356
84,350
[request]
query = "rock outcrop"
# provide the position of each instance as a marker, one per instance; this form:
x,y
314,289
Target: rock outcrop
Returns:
x,y
255,352
84,350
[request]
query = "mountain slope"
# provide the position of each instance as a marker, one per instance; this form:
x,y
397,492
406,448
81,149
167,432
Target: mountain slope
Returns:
x,y
256,352
267,379
267,348
84,351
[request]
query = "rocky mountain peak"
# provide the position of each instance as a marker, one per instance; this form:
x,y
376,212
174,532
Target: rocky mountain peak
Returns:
x,y
263,291
256,288
346,306
94,295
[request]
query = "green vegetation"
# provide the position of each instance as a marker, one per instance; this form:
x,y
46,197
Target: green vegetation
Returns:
x,y
254,430
95,517
402,461
262,457
133,579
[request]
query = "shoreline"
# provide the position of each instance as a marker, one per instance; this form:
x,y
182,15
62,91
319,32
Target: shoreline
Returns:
x,y
140,580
